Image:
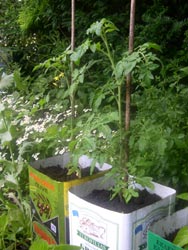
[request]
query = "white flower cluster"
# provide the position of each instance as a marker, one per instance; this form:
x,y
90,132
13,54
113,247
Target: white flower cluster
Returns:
x,y
35,127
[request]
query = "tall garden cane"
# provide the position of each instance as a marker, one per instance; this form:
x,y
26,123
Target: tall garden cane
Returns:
x,y
72,63
128,81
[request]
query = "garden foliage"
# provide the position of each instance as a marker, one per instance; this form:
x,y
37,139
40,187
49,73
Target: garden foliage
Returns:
x,y
47,98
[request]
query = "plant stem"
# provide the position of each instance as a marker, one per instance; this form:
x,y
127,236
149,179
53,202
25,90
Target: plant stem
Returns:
x,y
103,36
109,55
119,100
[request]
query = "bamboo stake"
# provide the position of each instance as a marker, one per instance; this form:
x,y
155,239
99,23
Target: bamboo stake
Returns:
x,y
72,63
72,25
129,79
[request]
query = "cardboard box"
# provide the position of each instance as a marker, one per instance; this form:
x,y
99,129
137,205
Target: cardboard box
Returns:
x,y
49,198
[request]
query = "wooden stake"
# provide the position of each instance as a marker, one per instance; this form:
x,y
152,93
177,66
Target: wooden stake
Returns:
x,y
129,79
72,63
72,25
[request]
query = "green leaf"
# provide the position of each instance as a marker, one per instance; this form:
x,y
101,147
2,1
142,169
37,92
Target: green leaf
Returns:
x,y
25,147
145,181
80,51
183,196
129,193
11,178
129,67
42,102
155,46
63,132
89,143
64,247
127,64
5,137
43,245
72,145
162,145
39,244
181,238
95,28
52,131
106,131
184,72
11,246
119,69
2,126
13,129
95,47
112,116
109,26
6,80
104,26
142,143
3,223
73,88
99,96
185,69
2,107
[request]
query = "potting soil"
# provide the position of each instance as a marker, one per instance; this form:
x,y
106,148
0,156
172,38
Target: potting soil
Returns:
x,y
103,199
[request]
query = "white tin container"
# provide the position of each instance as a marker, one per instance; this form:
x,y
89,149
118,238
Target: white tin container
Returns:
x,y
159,230
96,228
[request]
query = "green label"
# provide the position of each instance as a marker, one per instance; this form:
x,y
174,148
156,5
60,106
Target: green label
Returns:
x,y
155,242
92,241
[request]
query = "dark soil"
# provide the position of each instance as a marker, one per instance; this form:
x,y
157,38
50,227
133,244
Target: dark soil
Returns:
x,y
102,199
171,236
61,174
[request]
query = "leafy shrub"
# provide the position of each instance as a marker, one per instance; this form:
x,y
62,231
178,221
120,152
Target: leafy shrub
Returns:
x,y
159,134
15,218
